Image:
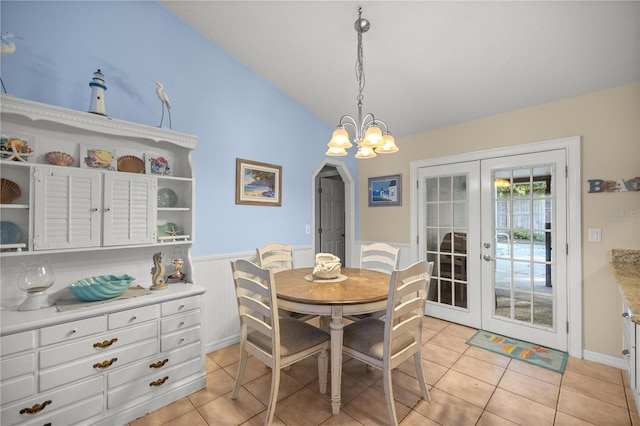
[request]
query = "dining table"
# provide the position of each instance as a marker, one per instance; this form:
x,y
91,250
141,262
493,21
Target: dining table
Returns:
x,y
355,291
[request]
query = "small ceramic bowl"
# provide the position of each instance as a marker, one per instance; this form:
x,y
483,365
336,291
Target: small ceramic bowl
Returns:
x,y
101,287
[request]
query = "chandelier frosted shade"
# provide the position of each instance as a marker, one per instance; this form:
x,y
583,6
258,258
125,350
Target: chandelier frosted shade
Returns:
x,y
367,132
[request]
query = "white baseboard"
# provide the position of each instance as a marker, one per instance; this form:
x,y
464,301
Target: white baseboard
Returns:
x,y
610,360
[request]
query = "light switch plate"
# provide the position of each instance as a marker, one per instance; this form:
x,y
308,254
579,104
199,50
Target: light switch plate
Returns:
x,y
595,235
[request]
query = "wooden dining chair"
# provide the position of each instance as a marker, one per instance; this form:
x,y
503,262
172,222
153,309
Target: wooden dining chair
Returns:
x,y
385,344
279,257
276,341
379,257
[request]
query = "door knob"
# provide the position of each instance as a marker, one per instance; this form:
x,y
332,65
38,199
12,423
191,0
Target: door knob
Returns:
x,y
487,258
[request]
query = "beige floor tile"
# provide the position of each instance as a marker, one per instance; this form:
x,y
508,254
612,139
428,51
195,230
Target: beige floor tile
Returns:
x,y
531,388
439,355
466,387
210,365
258,420
564,419
428,334
488,356
461,331
304,407
595,369
342,419
370,408
489,419
358,370
226,356
165,414
305,371
416,419
447,409
219,382
224,411
261,387
631,403
254,369
479,369
635,419
520,410
191,418
539,373
350,388
595,388
406,389
432,371
591,409
434,323
450,342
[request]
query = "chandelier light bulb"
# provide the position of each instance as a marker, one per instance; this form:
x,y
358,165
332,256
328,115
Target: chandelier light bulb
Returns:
x,y
389,146
365,152
340,139
335,152
373,137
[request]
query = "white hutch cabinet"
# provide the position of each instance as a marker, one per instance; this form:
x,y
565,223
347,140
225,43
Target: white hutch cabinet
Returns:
x,y
110,362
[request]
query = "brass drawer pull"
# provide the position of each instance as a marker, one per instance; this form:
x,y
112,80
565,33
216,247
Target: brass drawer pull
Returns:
x,y
105,344
159,363
159,382
36,408
105,364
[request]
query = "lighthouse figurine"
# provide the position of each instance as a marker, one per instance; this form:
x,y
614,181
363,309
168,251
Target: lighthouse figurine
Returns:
x,y
97,93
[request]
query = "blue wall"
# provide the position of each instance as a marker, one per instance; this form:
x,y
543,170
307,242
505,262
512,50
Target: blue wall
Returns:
x,y
233,110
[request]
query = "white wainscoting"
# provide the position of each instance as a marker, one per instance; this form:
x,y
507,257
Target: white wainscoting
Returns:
x,y
221,327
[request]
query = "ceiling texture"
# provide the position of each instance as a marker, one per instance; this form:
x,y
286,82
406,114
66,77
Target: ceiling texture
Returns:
x,y
427,64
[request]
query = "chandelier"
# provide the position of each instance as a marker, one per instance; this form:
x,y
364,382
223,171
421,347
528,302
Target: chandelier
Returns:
x,y
369,136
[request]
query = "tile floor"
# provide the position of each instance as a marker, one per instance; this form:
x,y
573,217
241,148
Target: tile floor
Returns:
x,y
468,386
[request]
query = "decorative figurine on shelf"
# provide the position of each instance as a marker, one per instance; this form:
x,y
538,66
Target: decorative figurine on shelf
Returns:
x,y
157,273
177,275
97,93
164,98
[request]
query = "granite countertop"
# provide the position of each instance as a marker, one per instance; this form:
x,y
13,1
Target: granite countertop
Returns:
x,y
625,265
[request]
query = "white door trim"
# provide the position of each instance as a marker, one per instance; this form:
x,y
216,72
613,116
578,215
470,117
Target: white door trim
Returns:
x,y
574,227
349,206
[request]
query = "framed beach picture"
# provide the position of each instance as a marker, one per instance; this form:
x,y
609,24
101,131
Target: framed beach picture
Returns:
x,y
158,164
385,191
97,158
258,184
16,147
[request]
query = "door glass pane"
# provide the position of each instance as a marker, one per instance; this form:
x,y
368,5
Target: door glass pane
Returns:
x,y
523,206
447,209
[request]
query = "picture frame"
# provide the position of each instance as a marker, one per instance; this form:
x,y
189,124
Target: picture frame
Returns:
x,y
258,184
385,191
92,157
17,147
158,164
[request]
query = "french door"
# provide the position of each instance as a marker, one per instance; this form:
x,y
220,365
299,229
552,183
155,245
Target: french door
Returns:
x,y
496,232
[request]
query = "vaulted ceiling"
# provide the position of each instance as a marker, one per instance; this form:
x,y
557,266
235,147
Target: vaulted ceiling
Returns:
x,y
428,64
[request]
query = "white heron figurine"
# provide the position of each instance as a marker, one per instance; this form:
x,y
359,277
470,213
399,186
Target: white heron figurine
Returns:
x,y
164,98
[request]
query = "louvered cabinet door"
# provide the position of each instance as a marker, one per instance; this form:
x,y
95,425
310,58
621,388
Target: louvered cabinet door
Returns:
x,y
129,206
67,208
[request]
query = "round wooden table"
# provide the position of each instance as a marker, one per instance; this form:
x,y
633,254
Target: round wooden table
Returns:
x,y
363,291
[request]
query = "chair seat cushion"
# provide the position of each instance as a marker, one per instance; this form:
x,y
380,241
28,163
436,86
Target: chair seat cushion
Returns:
x,y
367,336
295,336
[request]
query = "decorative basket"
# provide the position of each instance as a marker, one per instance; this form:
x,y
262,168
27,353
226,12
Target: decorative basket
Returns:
x,y
101,287
130,164
9,191
58,158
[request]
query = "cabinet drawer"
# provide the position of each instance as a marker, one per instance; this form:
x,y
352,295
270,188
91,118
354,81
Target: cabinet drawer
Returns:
x,y
14,389
180,305
71,330
179,322
96,365
18,342
59,399
157,383
133,316
92,346
154,365
71,415
179,338
17,366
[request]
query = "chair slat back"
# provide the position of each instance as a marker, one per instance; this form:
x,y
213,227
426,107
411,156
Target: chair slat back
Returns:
x,y
257,303
379,257
275,256
405,310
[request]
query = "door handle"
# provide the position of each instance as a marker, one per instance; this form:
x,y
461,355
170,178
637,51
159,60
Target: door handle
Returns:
x,y
487,258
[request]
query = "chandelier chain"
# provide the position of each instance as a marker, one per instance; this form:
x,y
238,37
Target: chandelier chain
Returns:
x,y
360,68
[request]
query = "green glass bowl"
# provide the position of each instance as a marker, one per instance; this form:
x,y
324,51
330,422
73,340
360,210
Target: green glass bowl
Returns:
x,y
101,287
